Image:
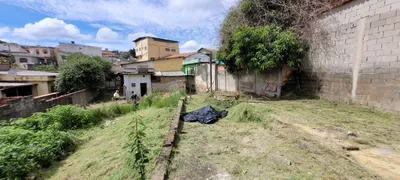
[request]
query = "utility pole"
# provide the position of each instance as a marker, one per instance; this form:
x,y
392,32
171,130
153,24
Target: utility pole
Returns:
x,y
210,72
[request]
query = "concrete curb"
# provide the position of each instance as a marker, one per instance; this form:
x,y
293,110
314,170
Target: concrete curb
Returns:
x,y
160,172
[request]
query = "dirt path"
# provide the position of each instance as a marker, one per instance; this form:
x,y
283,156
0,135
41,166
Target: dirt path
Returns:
x,y
384,161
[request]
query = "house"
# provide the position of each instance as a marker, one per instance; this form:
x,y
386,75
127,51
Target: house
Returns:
x,y
74,48
46,55
191,62
209,51
22,58
138,82
152,48
38,82
108,55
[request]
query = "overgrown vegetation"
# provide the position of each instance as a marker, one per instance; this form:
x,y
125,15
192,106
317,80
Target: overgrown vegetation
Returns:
x,y
107,148
37,141
159,101
45,68
256,49
82,72
247,42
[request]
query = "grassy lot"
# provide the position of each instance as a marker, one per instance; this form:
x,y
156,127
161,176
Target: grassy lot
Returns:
x,y
265,141
102,153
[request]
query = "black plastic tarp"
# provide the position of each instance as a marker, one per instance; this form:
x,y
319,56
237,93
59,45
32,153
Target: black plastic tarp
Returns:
x,y
205,115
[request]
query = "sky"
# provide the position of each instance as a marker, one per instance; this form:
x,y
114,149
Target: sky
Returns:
x,y
113,24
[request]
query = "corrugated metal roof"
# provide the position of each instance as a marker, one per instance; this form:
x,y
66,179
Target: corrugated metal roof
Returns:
x,y
169,73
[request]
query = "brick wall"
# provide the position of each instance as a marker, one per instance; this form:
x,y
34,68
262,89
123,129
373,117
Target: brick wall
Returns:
x,y
358,59
169,83
26,106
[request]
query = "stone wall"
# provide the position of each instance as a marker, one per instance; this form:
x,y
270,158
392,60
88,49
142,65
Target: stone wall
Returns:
x,y
26,106
358,60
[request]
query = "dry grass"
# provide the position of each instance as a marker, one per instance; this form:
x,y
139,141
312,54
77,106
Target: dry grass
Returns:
x,y
102,154
249,150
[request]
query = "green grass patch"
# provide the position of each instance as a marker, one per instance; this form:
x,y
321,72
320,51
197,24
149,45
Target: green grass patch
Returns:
x,y
28,144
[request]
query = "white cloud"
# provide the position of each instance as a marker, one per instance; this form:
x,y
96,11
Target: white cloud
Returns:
x,y
97,25
4,30
168,13
106,35
134,36
50,28
192,46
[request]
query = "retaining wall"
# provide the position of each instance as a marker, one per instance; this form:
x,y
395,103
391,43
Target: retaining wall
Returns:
x,y
26,106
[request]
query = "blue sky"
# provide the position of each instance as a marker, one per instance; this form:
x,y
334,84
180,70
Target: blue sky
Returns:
x,y
112,24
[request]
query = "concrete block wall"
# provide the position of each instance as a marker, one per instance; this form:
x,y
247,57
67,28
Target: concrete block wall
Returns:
x,y
360,63
26,106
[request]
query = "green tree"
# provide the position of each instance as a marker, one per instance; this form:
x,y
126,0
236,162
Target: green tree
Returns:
x,y
82,72
256,49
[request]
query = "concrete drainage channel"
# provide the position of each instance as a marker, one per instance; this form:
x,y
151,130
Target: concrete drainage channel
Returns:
x,y
160,172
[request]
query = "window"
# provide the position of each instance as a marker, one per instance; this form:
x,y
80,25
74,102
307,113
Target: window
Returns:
x,y
23,60
145,48
155,79
37,51
173,50
45,51
167,49
133,84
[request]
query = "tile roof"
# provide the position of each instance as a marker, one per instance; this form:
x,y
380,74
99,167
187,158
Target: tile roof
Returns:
x,y
184,55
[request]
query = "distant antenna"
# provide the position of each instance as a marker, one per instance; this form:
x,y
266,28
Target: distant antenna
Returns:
x,y
72,42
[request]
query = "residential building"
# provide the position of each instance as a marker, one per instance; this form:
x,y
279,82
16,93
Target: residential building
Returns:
x,y
152,48
22,58
209,51
191,62
39,82
73,48
61,56
139,82
110,56
170,63
45,54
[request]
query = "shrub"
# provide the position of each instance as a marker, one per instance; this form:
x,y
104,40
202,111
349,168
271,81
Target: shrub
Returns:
x,y
256,49
64,117
82,72
169,101
148,100
23,151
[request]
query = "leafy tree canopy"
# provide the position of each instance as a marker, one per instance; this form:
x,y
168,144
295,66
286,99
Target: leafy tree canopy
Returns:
x,y
256,49
82,72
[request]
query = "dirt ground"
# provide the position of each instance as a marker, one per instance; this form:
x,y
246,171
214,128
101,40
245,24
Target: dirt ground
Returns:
x,y
296,139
